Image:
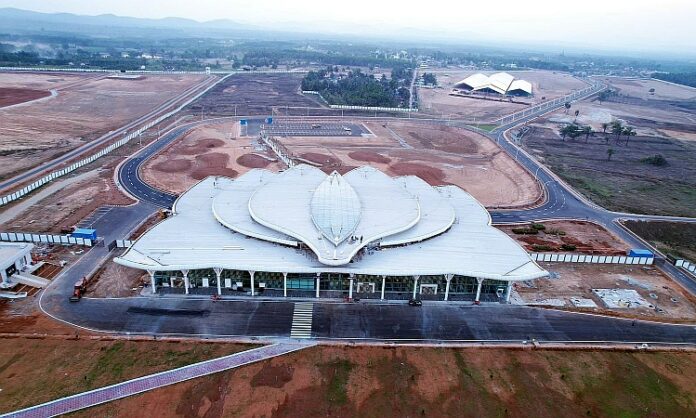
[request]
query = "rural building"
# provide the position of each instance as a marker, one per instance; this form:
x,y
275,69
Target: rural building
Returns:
x,y
13,258
498,83
304,233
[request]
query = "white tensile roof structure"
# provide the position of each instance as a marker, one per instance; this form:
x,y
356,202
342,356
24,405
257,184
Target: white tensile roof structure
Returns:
x,y
305,221
502,83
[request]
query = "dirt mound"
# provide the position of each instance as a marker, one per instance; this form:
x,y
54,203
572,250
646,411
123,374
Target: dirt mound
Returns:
x,y
253,161
433,176
200,147
173,166
322,159
212,164
369,156
12,96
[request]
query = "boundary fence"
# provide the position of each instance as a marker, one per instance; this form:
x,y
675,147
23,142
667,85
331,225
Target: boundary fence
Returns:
x,y
4,200
594,259
594,88
366,108
102,70
686,265
44,238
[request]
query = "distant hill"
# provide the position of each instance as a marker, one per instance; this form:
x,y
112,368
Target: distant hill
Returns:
x,y
23,21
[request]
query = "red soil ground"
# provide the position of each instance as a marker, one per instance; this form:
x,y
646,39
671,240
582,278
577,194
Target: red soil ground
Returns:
x,y
323,159
253,161
173,166
12,96
201,147
212,164
369,156
434,176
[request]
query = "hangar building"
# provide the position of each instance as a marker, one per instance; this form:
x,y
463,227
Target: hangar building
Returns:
x,y
498,83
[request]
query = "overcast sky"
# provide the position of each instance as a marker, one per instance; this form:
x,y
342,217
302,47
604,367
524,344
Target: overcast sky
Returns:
x,y
633,25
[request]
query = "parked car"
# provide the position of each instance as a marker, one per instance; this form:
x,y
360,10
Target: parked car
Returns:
x,y
415,302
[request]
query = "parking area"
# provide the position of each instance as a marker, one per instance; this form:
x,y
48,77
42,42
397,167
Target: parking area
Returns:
x,y
308,128
90,220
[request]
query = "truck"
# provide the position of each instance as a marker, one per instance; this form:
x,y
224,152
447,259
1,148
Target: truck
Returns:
x,y
640,252
84,233
79,289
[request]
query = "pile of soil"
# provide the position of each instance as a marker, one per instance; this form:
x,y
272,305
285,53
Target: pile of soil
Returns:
x,y
323,159
200,147
173,166
433,176
253,161
12,96
212,164
369,156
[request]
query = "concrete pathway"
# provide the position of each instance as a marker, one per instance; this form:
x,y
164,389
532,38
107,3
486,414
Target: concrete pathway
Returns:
x,y
154,381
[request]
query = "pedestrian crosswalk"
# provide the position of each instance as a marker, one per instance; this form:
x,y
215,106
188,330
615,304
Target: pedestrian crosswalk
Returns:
x,y
302,320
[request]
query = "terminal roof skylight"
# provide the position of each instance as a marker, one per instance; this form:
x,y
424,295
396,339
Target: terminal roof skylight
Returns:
x,y
335,208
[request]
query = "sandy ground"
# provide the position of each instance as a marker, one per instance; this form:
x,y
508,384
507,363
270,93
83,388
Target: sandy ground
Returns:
x,y
641,89
86,107
577,280
438,154
546,85
116,281
207,151
431,382
70,204
588,238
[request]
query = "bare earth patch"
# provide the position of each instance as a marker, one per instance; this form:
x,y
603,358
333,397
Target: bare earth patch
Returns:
x,y
439,154
209,150
12,96
431,382
87,106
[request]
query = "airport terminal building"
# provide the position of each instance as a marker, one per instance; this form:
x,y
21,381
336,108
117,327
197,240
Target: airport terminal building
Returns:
x,y
303,233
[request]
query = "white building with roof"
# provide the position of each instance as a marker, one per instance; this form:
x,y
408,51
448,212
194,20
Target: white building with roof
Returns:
x,y
500,83
302,232
13,258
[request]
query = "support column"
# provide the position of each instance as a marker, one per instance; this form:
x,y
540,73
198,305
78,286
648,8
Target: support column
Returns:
x,y
218,275
415,285
384,280
448,277
152,280
285,285
350,288
508,291
186,281
317,284
251,274
478,290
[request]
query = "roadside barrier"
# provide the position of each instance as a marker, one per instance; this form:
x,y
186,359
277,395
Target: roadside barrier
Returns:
x,y
594,88
594,259
126,139
44,238
686,265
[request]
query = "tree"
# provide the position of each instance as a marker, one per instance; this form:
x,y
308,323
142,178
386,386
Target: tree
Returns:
x,y
587,130
617,129
610,152
604,127
567,107
577,112
628,132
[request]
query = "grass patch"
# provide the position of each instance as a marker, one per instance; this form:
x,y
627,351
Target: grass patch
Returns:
x,y
338,371
488,127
